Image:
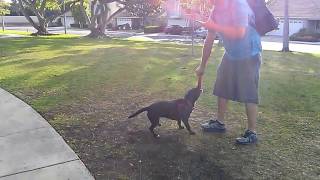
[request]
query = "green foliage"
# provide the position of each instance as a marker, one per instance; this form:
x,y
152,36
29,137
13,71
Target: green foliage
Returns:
x,y
51,7
4,8
79,17
200,7
153,29
144,8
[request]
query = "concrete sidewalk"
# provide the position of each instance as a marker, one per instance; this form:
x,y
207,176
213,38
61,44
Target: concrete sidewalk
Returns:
x,y
30,149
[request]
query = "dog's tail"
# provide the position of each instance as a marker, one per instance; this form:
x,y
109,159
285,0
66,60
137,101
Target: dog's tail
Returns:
x,y
138,112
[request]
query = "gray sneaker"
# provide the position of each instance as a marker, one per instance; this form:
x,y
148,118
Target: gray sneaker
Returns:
x,y
249,137
213,126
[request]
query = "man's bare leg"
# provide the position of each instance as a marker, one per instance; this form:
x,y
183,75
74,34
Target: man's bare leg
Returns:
x,y
252,110
222,108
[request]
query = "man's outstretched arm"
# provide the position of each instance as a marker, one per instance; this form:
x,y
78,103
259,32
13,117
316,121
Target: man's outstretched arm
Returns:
x,y
206,52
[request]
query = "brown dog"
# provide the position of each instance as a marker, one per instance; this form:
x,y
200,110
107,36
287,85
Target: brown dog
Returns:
x,y
179,110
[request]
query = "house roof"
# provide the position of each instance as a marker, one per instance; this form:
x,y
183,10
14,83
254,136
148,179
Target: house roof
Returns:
x,y
299,9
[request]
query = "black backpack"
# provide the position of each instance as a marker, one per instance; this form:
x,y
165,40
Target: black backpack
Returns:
x,y
265,21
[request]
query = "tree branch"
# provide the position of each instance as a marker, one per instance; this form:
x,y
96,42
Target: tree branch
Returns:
x,y
84,13
23,9
43,5
67,8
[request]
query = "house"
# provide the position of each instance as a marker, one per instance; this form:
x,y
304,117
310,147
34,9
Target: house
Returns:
x,y
125,18
18,20
178,16
69,19
174,13
303,14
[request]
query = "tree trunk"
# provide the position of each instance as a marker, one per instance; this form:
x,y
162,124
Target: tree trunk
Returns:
x,y
42,28
40,12
99,22
286,27
96,33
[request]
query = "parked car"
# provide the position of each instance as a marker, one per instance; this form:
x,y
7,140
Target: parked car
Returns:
x,y
124,27
187,31
201,33
173,29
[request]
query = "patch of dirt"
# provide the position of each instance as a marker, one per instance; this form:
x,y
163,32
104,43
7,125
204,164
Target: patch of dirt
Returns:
x,y
114,147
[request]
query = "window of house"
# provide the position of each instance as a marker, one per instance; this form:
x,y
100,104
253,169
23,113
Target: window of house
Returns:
x,y
173,7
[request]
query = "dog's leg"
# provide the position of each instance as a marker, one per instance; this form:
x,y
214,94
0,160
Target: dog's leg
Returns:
x,y
154,123
179,124
186,123
151,128
185,119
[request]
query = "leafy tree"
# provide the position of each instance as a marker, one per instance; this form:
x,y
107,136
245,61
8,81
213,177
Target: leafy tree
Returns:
x,y
4,9
144,8
198,8
103,11
45,10
77,14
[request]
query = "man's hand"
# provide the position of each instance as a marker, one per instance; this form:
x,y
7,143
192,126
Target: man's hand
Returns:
x,y
200,70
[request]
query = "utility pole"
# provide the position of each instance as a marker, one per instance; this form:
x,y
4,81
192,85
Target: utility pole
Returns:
x,y
286,27
3,25
64,17
192,36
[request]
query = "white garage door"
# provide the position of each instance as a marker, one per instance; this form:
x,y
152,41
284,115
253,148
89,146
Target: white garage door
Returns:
x,y
124,20
294,27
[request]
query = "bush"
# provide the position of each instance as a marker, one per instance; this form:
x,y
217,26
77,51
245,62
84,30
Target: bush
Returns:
x,y
152,29
305,35
174,29
75,25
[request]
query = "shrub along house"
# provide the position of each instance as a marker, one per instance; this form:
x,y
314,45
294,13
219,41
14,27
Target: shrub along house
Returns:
x,y
303,14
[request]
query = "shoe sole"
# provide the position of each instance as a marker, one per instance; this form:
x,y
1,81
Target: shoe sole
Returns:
x,y
214,130
248,143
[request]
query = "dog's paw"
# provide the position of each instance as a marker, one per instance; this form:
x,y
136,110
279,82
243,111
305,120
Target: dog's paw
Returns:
x,y
156,136
192,133
181,127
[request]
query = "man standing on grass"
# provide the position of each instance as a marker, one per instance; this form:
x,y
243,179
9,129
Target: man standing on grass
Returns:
x,y
238,73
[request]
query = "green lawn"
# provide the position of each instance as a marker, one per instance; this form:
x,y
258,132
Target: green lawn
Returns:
x,y
86,88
